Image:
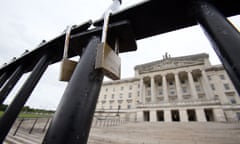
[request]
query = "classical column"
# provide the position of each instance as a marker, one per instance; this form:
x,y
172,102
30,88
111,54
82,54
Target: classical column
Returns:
x,y
178,86
201,117
153,97
206,86
167,116
141,90
183,115
165,91
192,85
153,116
219,115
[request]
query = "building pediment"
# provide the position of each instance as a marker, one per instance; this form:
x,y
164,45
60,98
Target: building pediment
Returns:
x,y
170,63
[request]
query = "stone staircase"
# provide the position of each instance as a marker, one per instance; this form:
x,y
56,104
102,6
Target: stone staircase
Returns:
x,y
149,133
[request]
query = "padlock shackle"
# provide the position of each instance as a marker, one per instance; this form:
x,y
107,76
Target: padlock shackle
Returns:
x,y
113,7
66,44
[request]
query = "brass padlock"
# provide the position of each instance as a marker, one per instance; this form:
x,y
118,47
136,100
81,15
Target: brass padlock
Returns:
x,y
108,61
67,66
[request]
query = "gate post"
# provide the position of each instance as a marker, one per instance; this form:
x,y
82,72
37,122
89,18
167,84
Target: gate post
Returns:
x,y
72,121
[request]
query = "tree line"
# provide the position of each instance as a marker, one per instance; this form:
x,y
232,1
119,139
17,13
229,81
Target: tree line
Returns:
x,y
3,107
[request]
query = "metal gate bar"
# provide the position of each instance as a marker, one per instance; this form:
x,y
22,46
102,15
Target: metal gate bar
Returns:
x,y
224,37
72,121
3,78
20,99
11,83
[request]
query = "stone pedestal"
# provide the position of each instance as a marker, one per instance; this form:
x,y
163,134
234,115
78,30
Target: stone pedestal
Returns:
x,y
200,115
139,116
167,116
183,115
153,116
219,115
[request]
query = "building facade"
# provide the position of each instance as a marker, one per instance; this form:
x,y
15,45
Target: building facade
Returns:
x,y
182,89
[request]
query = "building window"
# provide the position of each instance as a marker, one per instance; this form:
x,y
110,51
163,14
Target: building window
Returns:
x,y
184,89
110,107
212,86
170,83
198,88
182,81
238,116
106,89
216,97
105,96
138,85
159,84
160,92
138,93
130,87
122,88
226,86
172,92
209,77
129,95
129,106
114,89
195,80
120,96
233,101
149,92
112,96
222,77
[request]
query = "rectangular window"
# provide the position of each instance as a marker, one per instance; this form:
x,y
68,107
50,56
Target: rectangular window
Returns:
x,y
129,95
238,116
184,89
212,86
182,81
159,84
130,87
105,96
198,88
138,93
121,95
160,92
233,101
149,92
112,96
122,88
138,85
209,77
226,86
222,77
129,106
106,89
172,92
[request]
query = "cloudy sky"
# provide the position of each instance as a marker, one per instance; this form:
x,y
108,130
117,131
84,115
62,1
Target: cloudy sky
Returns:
x,y
24,24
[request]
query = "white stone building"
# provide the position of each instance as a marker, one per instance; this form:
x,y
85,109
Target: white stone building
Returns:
x,y
182,89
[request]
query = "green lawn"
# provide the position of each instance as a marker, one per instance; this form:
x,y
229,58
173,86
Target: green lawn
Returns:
x,y
29,115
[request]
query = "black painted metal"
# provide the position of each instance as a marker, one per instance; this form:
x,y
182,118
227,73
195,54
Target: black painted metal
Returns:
x,y
224,37
11,83
34,123
72,120
15,107
153,17
3,78
18,126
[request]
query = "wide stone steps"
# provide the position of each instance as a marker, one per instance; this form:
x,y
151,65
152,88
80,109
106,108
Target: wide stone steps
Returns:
x,y
149,133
